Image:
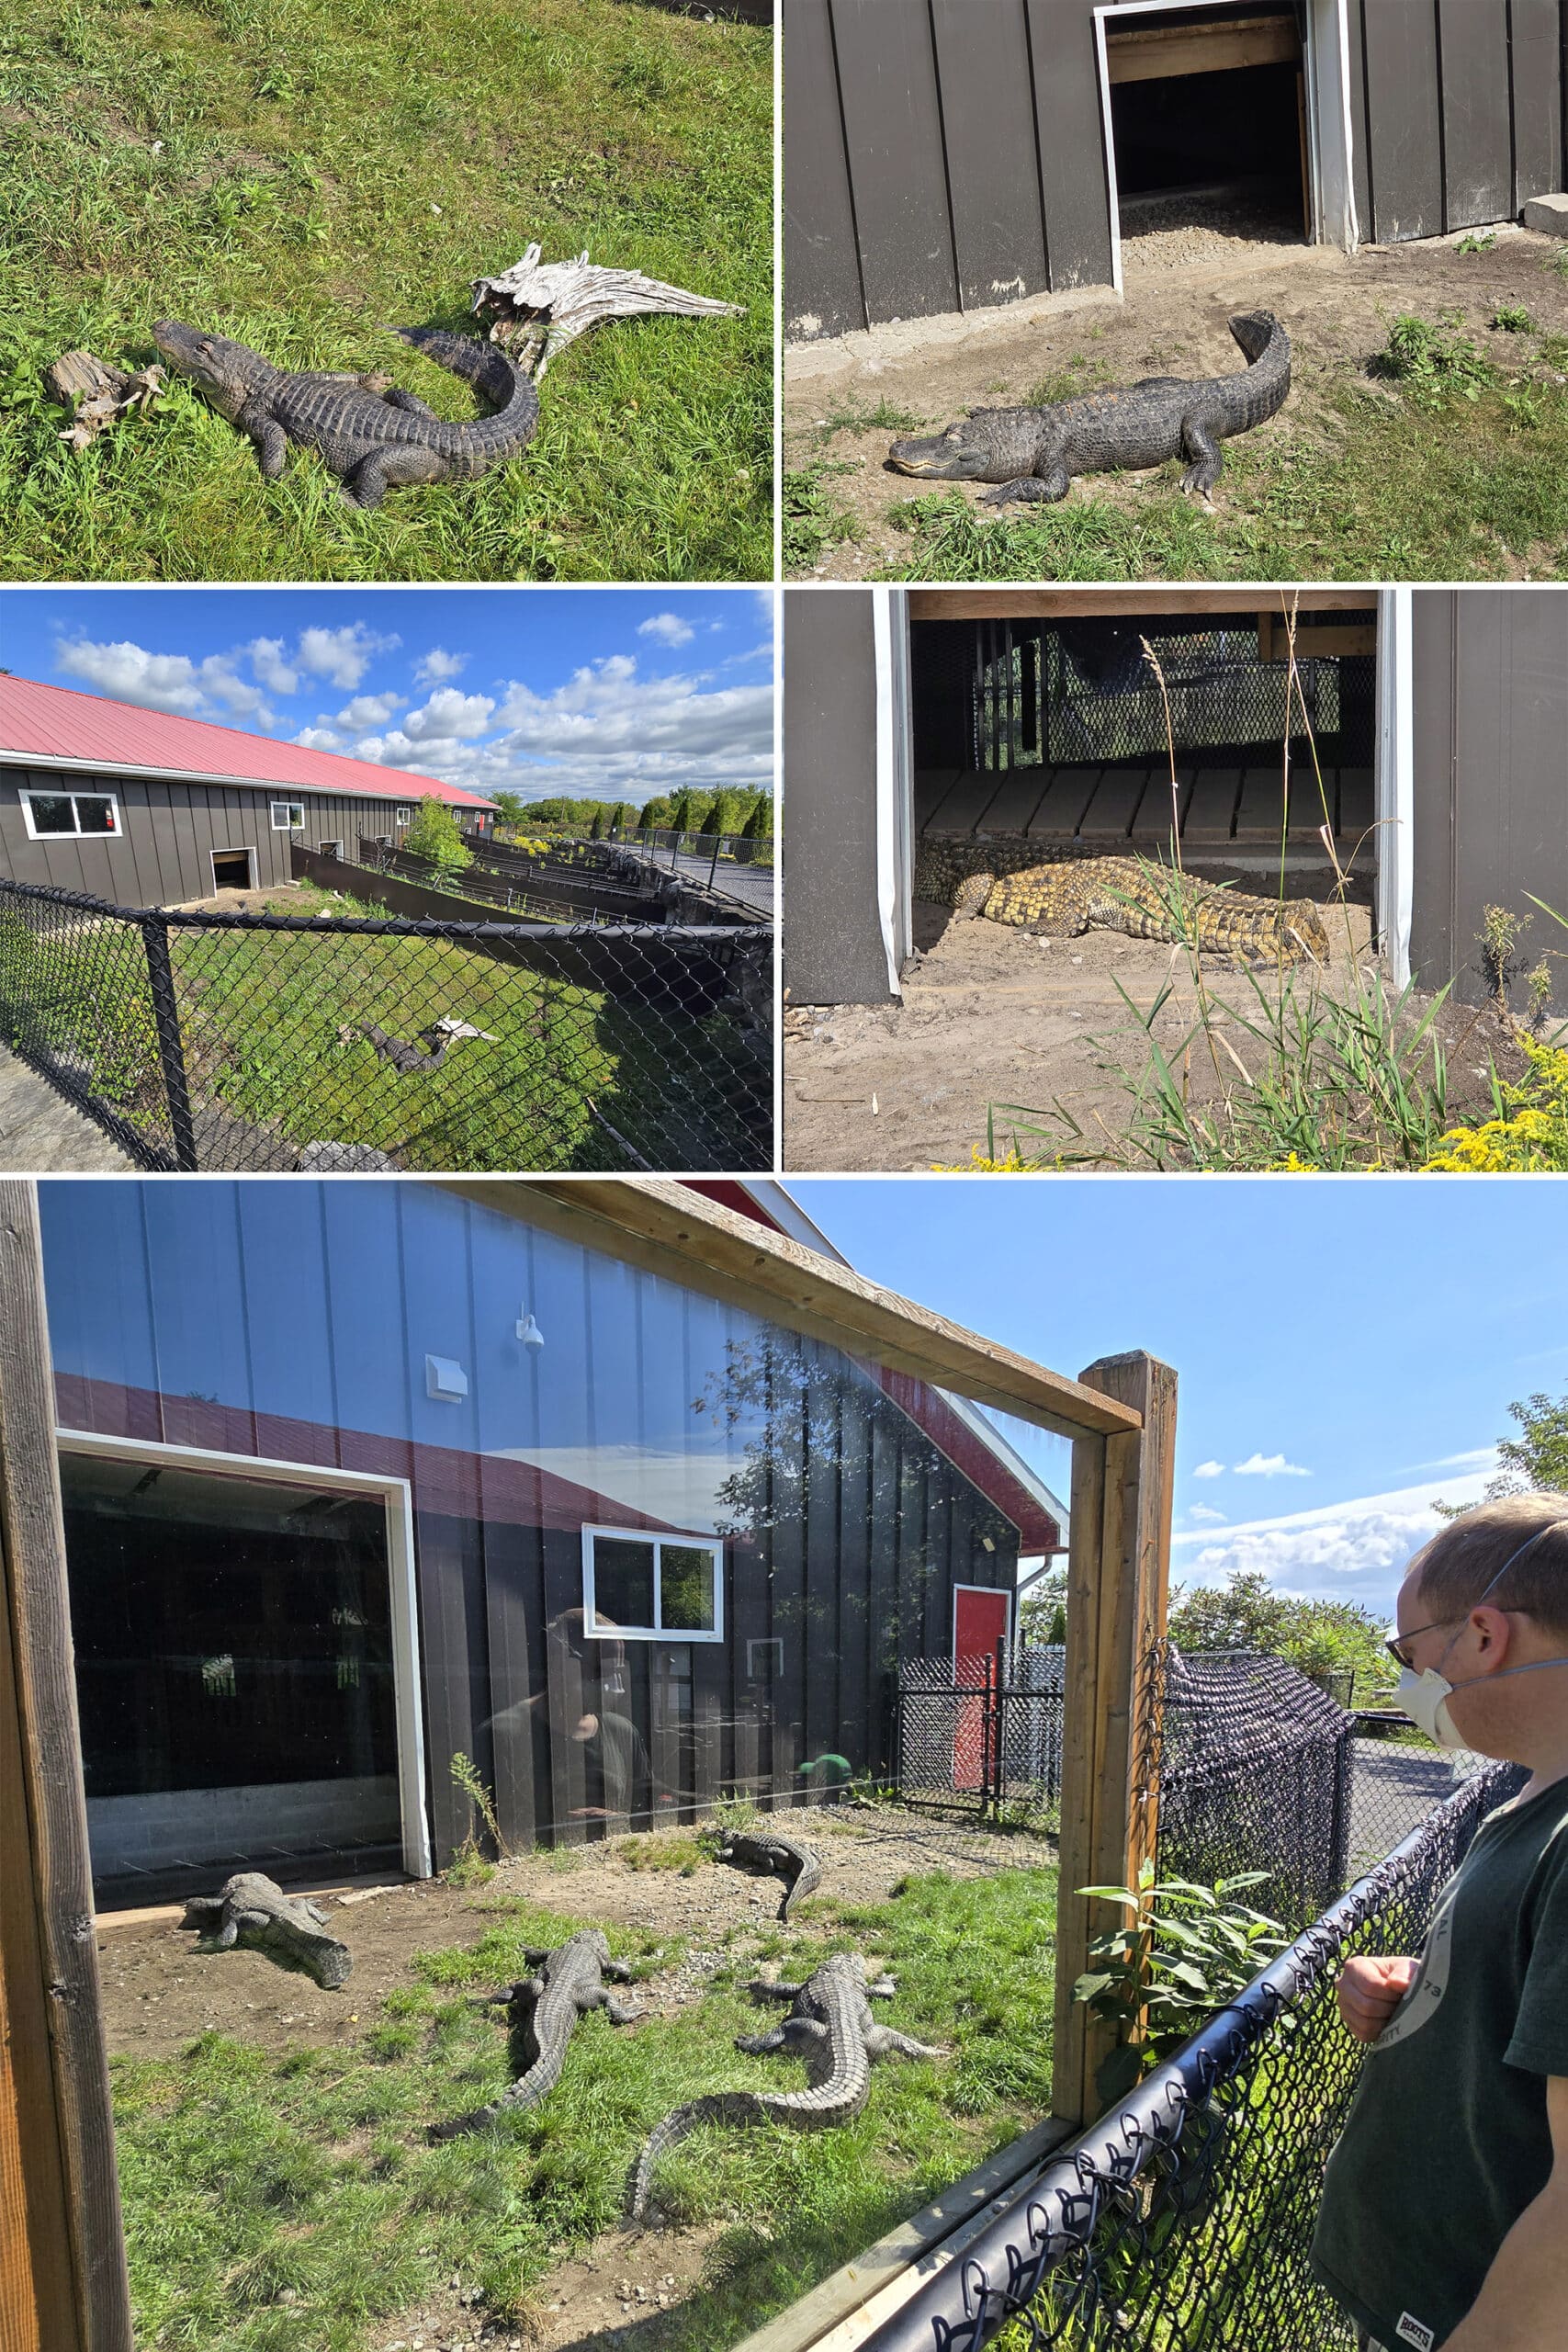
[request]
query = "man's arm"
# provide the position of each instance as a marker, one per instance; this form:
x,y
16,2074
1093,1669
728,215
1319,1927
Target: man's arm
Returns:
x,y
1370,1990
1521,2304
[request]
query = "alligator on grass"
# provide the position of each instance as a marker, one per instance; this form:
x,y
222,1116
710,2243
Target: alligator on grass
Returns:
x,y
781,1857
567,1983
371,434
830,2026
1034,453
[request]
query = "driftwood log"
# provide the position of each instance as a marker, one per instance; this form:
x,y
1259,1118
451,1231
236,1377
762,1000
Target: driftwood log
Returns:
x,y
544,305
252,1910
97,395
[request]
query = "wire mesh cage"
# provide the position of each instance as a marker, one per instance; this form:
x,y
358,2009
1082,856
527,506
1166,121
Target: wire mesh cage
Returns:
x,y
251,1041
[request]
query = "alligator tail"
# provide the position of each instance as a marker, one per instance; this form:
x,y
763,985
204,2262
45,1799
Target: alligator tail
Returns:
x,y
718,2106
805,1882
526,2091
493,374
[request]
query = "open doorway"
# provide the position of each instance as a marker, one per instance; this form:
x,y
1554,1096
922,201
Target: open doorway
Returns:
x,y
234,869
1207,128
244,1664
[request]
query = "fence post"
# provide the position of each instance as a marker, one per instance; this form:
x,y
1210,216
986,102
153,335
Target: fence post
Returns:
x,y
1118,1584
999,1730
713,862
171,1053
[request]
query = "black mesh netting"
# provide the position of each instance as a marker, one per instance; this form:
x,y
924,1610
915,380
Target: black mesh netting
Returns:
x,y
253,1041
1181,2221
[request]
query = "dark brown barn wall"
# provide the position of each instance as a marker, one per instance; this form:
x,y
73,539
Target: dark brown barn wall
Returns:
x,y
1491,778
832,943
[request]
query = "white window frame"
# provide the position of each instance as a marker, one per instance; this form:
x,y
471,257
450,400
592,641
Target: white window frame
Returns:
x,y
613,1632
331,849
37,792
291,824
235,849
402,815
396,1496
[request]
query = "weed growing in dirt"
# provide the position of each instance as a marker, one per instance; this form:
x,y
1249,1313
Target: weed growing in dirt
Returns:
x,y
1513,319
245,2175
813,519
1431,360
854,417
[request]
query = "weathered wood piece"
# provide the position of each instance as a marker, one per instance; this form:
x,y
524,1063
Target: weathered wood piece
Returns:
x,y
544,305
252,1910
97,394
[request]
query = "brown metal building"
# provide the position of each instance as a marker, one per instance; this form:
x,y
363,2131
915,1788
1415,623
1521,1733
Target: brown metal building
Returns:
x,y
147,809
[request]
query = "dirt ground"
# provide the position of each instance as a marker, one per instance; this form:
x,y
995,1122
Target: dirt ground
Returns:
x,y
1181,283
992,1015
160,1991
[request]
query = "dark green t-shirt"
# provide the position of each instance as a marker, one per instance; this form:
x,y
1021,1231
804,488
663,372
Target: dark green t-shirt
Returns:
x,y
1447,2141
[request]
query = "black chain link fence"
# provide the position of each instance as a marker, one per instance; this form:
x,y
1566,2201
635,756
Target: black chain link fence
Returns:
x,y
253,1041
1181,2221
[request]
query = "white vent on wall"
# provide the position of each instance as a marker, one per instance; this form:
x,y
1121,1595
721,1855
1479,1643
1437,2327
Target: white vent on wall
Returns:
x,y
446,1380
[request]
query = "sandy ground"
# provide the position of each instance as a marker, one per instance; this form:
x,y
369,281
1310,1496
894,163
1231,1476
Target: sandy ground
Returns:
x,y
1180,286
160,1991
41,1134
992,1015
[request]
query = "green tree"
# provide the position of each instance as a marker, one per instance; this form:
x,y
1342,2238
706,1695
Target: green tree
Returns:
x,y
1246,1612
434,834
680,817
1534,1461
759,825
1042,1614
513,809
596,830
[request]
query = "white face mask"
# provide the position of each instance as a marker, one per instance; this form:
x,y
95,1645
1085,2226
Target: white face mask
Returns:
x,y
1424,1697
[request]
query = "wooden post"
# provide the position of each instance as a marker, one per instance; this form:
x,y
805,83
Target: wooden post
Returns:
x,y
1118,1583
63,2277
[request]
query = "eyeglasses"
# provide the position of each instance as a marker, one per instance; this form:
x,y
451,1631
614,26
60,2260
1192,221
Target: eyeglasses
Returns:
x,y
1394,1642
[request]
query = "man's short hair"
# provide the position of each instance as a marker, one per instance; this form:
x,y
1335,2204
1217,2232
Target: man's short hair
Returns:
x,y
1454,1569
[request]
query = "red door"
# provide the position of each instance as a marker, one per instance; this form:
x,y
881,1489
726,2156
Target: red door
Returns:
x,y
979,1622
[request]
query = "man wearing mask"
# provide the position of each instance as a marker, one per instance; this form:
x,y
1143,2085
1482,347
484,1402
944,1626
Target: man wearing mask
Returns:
x,y
1444,2220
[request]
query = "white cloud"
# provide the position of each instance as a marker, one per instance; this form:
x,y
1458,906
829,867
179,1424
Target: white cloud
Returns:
x,y
433,669
1347,1550
767,606
271,667
449,717
321,739
370,710
1210,1470
668,627
1205,1515
341,656
1269,1465
210,688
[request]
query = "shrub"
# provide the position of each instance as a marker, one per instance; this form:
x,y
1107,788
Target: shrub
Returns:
x,y
434,834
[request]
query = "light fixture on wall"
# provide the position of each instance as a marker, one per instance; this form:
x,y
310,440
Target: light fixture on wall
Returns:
x,y
529,1332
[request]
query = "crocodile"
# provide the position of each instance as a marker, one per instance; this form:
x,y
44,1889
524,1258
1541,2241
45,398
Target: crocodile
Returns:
x,y
568,1983
758,1849
1034,453
368,431
1060,898
831,2024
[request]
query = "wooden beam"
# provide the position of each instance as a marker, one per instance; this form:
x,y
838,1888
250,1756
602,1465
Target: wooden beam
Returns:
x,y
1109,604
1118,1588
667,1229
63,2276
1337,637
1163,53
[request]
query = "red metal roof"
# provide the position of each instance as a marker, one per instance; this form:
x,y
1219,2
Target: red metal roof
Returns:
x,y
57,723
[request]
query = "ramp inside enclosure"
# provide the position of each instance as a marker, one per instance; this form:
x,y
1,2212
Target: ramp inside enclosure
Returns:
x,y
1210,104
1061,730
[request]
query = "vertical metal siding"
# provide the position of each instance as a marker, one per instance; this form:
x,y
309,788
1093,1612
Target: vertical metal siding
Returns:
x,y
999,230
822,285
1072,143
887,89
1490,775
832,943
1478,158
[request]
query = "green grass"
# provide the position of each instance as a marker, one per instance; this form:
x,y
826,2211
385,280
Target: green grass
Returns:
x,y
270,1027
293,172
244,2174
1430,483
813,517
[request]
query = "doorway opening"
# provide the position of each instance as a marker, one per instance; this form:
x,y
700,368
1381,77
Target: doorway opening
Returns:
x,y
1207,132
237,1639
234,869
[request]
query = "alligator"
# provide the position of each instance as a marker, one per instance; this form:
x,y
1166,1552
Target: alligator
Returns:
x,y
569,1981
1060,898
368,431
1034,453
831,2026
255,1911
785,1858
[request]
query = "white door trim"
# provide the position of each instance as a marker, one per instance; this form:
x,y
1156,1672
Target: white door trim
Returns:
x,y
890,638
395,1493
1329,121
239,849
1395,790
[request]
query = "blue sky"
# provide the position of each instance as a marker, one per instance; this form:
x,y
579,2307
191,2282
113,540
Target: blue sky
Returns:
x,y
1346,1348
618,693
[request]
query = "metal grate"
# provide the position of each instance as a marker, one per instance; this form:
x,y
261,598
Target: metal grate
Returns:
x,y
251,1041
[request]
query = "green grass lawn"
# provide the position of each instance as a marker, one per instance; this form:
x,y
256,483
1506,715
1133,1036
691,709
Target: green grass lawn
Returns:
x,y
245,2175
294,171
271,1025
1442,487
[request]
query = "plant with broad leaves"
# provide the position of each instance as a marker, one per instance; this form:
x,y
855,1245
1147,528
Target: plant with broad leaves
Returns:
x,y
1178,1956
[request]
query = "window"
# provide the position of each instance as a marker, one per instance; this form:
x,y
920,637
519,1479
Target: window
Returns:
x,y
50,814
403,817
287,816
653,1587
330,849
